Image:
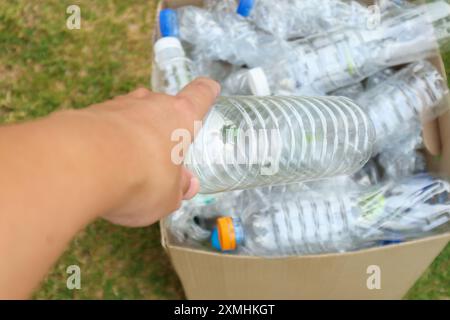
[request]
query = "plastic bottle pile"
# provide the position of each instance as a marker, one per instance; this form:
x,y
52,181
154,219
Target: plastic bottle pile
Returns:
x,y
316,143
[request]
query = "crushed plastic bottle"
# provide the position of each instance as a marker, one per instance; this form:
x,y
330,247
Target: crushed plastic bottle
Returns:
x,y
247,142
411,96
299,224
228,37
290,19
220,7
176,69
401,157
198,28
214,69
327,62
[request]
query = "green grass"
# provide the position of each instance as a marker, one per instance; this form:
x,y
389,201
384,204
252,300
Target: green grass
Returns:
x,y
45,67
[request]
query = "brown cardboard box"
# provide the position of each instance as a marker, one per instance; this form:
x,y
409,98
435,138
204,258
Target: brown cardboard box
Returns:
x,y
207,275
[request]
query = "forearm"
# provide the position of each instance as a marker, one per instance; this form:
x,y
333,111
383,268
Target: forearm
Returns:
x,y
112,160
53,181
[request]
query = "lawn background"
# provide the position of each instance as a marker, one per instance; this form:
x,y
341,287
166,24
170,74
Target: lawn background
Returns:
x,y
45,67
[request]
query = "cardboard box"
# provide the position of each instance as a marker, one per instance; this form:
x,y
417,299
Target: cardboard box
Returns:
x,y
208,275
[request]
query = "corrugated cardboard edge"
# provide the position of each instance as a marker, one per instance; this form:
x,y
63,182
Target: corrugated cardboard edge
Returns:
x,y
437,141
333,276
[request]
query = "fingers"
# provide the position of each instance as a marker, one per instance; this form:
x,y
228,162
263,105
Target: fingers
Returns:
x,y
189,185
140,93
199,96
194,188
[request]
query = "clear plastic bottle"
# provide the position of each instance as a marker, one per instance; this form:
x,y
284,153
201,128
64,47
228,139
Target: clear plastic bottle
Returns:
x,y
410,96
290,19
228,37
221,6
176,69
326,62
247,142
198,28
308,223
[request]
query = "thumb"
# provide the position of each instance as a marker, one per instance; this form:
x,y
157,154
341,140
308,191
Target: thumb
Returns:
x,y
198,97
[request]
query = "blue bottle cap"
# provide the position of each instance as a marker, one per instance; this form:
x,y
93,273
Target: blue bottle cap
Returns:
x,y
245,7
168,23
227,234
215,242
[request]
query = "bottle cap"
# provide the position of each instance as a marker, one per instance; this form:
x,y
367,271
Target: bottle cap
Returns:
x,y
215,242
245,7
229,234
258,83
168,23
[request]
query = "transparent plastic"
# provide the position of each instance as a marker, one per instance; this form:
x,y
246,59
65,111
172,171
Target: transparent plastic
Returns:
x,y
175,68
220,6
351,92
401,157
247,142
214,69
328,61
199,28
378,78
412,95
289,19
371,174
311,223
237,83
228,37
191,225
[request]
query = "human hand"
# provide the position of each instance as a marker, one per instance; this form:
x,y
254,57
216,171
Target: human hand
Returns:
x,y
139,125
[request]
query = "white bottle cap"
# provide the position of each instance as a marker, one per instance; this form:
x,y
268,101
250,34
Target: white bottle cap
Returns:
x,y
437,10
162,45
258,83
